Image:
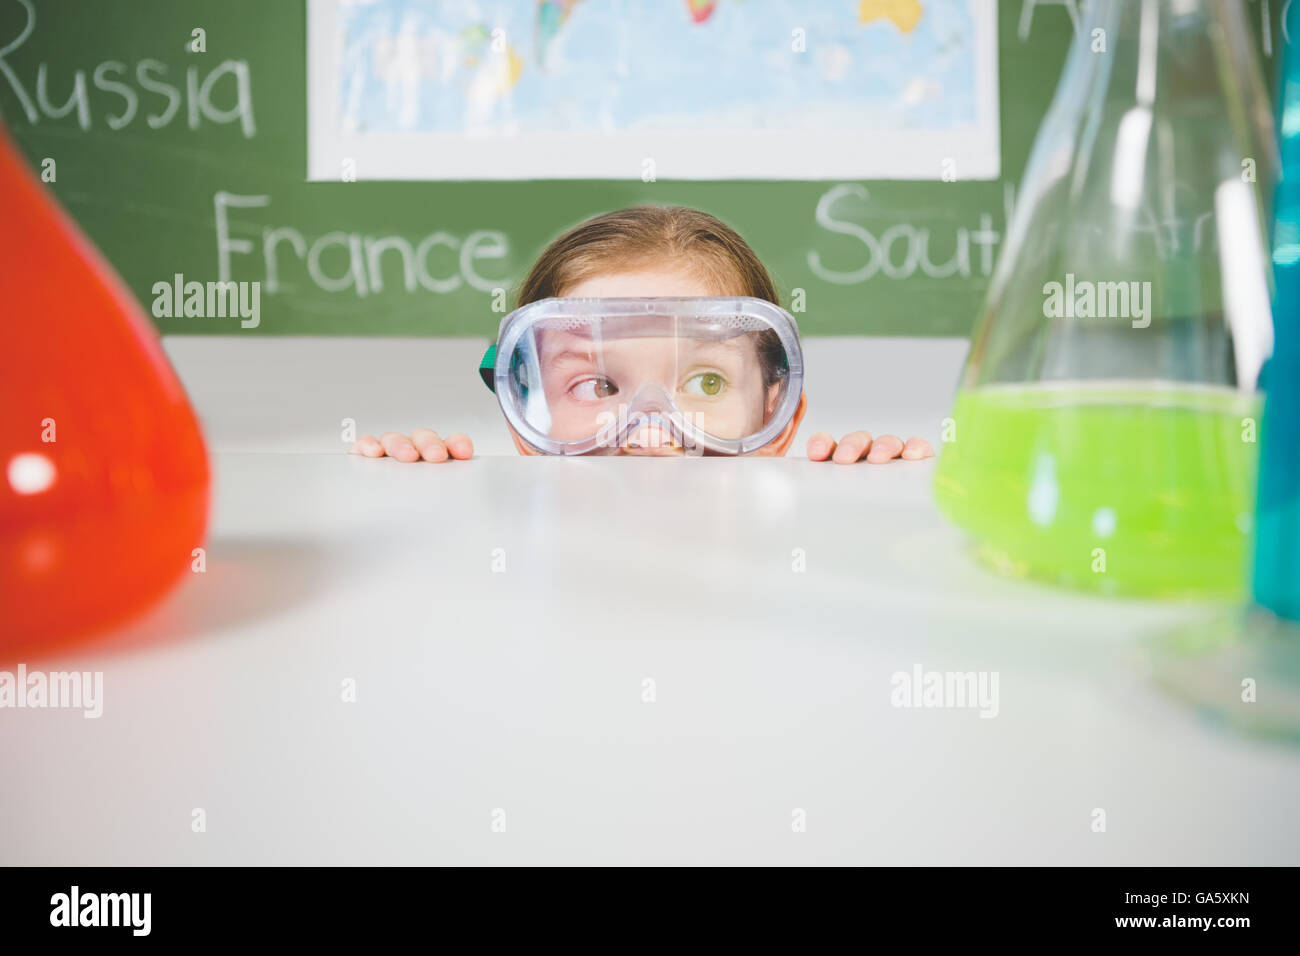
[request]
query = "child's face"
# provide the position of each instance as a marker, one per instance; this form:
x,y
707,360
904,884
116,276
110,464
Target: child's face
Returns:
x,y
718,383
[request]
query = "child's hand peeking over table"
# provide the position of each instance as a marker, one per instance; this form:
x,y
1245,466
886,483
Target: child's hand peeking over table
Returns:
x,y
653,330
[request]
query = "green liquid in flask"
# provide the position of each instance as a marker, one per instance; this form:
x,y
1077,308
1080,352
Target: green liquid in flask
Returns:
x,y
1141,490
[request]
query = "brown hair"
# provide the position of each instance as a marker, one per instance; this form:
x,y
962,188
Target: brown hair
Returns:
x,y
641,235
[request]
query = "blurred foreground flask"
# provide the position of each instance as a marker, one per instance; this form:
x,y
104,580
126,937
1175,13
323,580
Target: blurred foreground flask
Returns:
x,y
1105,430
103,470
1277,524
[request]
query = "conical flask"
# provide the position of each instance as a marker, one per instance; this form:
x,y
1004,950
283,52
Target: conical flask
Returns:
x,y
103,470
1105,430
1276,583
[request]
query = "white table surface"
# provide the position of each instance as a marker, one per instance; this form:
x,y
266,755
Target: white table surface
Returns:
x,y
522,691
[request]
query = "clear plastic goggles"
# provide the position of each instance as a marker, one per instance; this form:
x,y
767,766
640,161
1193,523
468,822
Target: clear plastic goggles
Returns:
x,y
697,376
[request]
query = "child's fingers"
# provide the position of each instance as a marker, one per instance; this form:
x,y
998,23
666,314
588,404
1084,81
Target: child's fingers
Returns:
x,y
429,444
885,448
820,447
367,445
852,447
917,448
399,447
460,446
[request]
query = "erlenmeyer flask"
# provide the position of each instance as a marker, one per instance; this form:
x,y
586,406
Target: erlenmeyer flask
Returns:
x,y
104,481
1104,434
1277,517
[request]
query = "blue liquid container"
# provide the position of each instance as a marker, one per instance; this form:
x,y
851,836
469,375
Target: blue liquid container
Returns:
x,y
1276,583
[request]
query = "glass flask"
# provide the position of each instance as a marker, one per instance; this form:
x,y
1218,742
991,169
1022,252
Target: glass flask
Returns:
x,y
105,482
1105,430
1276,583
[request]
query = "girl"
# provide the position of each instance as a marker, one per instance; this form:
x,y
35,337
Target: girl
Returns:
x,y
650,251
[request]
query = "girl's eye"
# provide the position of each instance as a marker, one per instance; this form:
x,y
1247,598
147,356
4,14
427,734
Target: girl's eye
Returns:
x,y
706,383
594,389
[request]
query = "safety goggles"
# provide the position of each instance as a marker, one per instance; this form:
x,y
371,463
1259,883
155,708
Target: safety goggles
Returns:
x,y
716,375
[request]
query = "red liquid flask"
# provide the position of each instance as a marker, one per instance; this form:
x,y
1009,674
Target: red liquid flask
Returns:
x,y
104,477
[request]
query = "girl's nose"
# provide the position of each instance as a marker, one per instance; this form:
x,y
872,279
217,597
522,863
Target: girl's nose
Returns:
x,y
651,440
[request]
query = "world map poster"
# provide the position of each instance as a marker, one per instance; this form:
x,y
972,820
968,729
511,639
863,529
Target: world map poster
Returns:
x,y
674,89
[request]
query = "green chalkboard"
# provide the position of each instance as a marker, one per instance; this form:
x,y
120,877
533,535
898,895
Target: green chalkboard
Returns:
x,y
146,149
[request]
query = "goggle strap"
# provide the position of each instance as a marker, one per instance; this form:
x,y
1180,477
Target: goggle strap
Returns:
x,y
487,367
